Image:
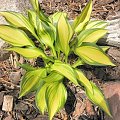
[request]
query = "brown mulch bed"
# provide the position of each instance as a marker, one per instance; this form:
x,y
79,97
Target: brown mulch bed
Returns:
x,y
102,9
77,106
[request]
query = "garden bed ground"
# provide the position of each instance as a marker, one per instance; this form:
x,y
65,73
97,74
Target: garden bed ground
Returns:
x,y
77,107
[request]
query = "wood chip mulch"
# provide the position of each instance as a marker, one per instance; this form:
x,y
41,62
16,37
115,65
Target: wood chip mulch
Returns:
x,y
77,107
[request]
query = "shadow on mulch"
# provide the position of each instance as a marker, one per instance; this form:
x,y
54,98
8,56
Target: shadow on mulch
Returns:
x,y
70,108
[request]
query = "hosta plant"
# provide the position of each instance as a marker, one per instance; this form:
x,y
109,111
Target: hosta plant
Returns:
x,y
55,39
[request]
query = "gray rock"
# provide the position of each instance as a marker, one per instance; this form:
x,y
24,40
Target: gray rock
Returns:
x,y
112,93
9,118
113,36
7,103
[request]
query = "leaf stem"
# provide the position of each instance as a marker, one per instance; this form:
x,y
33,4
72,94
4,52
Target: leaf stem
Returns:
x,y
66,59
54,52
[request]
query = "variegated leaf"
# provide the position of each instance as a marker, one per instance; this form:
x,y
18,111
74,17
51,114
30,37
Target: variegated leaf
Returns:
x,y
98,98
68,71
40,98
91,35
15,36
55,17
53,77
31,79
65,33
38,10
29,52
46,33
83,18
18,20
96,24
35,5
33,17
93,55
56,97
83,80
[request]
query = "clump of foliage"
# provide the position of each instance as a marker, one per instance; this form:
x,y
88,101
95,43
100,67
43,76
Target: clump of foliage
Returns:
x,y
62,38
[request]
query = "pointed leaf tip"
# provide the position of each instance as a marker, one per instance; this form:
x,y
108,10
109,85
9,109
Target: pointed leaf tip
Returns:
x,y
29,52
91,35
64,35
93,55
31,80
56,97
40,98
81,20
98,98
18,20
14,36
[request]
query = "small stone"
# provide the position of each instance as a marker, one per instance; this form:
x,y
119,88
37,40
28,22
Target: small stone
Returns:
x,y
9,118
21,106
7,103
1,97
15,77
112,93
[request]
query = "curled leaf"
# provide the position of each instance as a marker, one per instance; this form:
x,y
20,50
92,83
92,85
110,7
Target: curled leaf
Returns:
x,y
38,10
33,17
